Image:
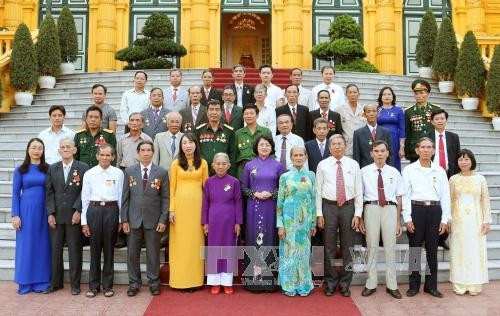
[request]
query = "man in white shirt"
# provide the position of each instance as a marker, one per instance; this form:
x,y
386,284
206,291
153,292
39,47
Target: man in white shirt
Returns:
x,y
339,205
167,144
296,80
426,212
101,201
135,99
382,192
274,93
337,96
52,135
176,96
267,113
285,140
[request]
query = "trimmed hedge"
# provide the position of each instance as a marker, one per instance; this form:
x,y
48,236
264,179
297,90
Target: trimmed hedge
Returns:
x,y
493,84
470,73
68,38
23,63
359,65
445,52
47,48
427,34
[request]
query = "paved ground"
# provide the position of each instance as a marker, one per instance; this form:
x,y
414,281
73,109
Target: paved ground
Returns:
x,y
62,303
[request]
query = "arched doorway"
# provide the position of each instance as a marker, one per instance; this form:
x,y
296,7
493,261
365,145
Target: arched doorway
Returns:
x,y
414,10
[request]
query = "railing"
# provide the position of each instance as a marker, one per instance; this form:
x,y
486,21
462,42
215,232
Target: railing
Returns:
x,y
487,46
6,39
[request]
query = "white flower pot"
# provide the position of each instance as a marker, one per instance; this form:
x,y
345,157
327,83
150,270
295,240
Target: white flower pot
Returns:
x,y
67,68
470,104
446,86
496,123
425,72
23,98
47,82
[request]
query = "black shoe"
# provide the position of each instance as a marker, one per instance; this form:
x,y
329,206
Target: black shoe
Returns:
x,y
411,292
75,291
51,290
345,292
120,244
434,293
155,291
329,292
394,293
368,292
132,291
91,293
444,244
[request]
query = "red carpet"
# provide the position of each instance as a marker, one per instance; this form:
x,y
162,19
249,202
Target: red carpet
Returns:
x,y
173,302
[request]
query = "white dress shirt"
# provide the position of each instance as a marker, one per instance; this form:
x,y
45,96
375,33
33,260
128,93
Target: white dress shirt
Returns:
x,y
101,185
326,186
351,121
325,146
148,167
393,183
291,141
436,154
133,101
337,96
66,169
239,94
304,95
274,93
425,184
51,142
267,118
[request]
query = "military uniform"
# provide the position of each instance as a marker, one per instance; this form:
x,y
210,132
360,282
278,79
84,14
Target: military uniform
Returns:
x,y
418,121
244,143
87,145
212,142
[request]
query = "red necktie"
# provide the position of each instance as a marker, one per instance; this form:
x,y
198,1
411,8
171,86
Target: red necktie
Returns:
x,y
228,115
374,134
323,115
294,114
380,186
442,154
174,96
340,185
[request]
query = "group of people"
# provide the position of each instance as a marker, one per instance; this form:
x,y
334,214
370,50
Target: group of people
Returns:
x,y
240,173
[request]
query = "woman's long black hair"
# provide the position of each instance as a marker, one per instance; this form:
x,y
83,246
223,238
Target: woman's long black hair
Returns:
x,y
43,166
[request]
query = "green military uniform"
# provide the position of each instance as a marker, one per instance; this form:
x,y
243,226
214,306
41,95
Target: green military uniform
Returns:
x,y
417,125
86,145
212,142
244,143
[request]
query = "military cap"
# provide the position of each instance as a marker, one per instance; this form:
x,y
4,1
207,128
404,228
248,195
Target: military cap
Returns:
x,y
420,84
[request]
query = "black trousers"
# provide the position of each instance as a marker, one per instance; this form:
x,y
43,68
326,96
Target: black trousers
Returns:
x,y
103,224
72,234
338,218
426,220
135,240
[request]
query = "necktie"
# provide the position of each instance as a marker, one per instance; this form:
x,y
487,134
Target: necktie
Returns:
x,y
156,114
174,95
322,148
207,92
145,178
374,134
195,115
442,154
294,114
228,114
323,115
380,187
283,153
172,146
340,185
66,172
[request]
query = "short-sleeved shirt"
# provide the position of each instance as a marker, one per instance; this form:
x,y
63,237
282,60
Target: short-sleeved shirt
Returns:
x,y
51,142
126,150
87,145
108,115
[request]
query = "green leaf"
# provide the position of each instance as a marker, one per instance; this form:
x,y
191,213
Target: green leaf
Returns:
x,y
23,63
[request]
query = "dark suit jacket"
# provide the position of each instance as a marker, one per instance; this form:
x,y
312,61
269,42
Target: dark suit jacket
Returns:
x,y
187,118
247,94
63,198
302,126
362,141
151,128
149,206
214,94
334,121
314,154
236,120
452,149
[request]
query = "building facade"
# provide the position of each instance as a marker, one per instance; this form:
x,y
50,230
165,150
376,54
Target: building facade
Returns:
x,y
220,33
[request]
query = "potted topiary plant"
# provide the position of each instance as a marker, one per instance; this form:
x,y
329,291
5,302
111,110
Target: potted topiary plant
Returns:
x,y
444,61
493,88
68,41
469,74
23,66
47,53
425,44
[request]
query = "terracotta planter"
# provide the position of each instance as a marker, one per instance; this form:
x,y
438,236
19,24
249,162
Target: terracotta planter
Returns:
x,y
23,98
